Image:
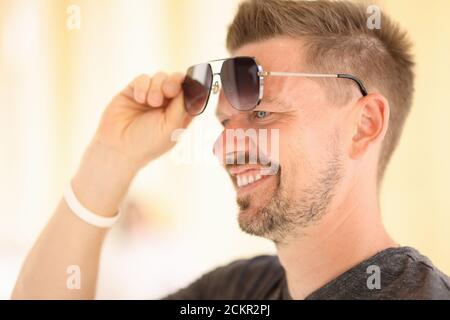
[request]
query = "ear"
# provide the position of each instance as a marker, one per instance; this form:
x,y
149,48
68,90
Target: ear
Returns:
x,y
371,124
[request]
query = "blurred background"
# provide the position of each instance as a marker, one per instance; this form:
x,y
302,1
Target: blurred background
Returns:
x,y
62,61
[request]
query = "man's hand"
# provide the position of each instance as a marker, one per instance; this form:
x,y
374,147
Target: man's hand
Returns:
x,y
135,128
139,121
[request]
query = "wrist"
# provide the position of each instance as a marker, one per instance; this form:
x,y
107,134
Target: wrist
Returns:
x,y
102,179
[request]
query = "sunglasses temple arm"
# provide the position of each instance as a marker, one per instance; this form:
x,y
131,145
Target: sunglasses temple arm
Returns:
x,y
360,84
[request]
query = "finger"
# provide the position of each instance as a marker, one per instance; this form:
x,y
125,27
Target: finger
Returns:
x,y
140,88
176,115
155,97
172,85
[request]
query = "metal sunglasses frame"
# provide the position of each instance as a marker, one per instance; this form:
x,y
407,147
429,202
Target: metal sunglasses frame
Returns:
x,y
263,74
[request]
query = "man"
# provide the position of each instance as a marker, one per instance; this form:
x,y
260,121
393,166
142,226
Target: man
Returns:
x,y
336,136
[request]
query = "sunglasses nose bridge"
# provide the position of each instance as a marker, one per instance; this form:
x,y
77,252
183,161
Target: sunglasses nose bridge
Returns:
x,y
216,83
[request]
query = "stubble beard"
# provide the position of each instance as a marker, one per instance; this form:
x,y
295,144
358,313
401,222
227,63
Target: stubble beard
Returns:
x,y
285,216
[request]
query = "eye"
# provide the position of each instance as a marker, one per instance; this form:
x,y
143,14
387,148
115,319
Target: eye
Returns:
x,y
261,114
224,122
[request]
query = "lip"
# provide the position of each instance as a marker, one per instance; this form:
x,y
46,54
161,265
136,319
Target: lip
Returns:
x,y
234,171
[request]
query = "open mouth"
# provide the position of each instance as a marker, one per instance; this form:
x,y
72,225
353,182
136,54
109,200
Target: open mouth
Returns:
x,y
246,177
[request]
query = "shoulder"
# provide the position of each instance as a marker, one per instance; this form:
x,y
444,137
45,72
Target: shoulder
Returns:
x,y
411,275
248,267
241,279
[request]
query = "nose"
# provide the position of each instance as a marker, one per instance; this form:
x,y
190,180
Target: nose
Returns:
x,y
233,140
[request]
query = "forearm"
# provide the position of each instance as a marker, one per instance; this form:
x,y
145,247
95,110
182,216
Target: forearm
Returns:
x,y
100,184
65,241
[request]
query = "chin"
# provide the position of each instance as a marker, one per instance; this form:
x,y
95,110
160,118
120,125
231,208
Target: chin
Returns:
x,y
252,218
253,202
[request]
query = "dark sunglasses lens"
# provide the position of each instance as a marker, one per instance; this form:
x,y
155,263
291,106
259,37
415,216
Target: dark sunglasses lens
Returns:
x,y
240,81
196,88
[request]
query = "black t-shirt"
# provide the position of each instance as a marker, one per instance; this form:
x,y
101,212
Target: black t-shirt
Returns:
x,y
403,274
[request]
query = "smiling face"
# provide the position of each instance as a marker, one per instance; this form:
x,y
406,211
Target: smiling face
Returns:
x,y
309,159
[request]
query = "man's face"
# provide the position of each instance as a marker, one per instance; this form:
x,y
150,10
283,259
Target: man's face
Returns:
x,y
310,155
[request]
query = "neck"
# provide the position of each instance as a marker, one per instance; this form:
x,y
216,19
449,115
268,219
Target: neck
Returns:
x,y
348,234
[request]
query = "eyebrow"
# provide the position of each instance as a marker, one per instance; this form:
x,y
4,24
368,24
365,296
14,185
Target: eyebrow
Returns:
x,y
283,105
273,101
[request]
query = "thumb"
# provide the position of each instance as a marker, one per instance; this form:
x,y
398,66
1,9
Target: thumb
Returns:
x,y
176,115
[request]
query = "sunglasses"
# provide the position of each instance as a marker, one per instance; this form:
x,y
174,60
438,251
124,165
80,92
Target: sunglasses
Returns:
x,y
242,80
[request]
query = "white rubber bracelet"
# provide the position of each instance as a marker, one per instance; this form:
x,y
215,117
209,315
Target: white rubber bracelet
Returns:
x,y
84,214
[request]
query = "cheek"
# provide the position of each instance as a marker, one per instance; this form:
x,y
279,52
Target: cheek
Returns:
x,y
317,137
301,152
294,160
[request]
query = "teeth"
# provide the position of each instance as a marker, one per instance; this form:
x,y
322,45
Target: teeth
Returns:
x,y
239,181
243,180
